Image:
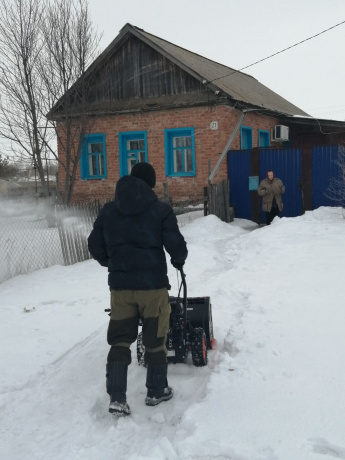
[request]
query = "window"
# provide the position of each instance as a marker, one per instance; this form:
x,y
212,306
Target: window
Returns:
x,y
93,157
263,138
246,137
133,149
179,152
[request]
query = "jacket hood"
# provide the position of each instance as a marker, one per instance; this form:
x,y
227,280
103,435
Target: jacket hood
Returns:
x,y
133,195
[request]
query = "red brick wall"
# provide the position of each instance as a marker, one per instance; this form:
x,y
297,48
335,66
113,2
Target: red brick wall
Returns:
x,y
208,146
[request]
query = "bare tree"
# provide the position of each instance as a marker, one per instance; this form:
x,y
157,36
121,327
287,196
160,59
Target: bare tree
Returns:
x,y
72,44
45,48
22,122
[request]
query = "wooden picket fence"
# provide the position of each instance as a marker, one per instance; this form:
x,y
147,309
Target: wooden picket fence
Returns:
x,y
74,225
75,221
218,200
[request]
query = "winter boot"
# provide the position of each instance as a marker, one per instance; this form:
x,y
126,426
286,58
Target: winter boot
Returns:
x,y
157,385
117,387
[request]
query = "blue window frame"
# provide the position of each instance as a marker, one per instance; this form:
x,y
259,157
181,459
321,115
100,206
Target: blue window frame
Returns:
x,y
179,152
263,138
246,137
133,149
93,163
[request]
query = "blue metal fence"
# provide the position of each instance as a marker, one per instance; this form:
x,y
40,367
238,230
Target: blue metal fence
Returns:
x,y
286,164
324,168
238,172
244,166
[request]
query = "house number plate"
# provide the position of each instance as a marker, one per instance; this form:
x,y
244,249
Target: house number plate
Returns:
x,y
214,125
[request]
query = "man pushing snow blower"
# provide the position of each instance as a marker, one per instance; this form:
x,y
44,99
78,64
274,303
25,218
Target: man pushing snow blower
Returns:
x,y
129,237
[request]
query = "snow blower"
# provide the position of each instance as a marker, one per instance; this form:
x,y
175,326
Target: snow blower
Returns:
x,y
190,329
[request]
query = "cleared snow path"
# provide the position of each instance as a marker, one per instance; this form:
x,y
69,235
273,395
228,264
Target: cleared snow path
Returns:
x,y
273,388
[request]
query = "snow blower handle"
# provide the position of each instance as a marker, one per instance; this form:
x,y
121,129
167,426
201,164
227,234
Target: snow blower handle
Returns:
x,y
184,284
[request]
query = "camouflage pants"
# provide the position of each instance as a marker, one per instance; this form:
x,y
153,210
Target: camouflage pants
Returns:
x,y
126,309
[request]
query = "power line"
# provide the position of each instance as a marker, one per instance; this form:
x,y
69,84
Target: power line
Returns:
x,y
278,52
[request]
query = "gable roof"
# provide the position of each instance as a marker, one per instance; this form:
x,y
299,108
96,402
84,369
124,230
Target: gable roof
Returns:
x,y
236,85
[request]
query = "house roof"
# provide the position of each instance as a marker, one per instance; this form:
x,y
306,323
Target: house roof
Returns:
x,y
236,85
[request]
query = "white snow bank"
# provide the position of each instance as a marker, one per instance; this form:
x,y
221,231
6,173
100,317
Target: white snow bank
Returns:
x,y
273,388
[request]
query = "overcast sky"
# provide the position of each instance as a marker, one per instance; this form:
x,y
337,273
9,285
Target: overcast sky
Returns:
x,y
238,33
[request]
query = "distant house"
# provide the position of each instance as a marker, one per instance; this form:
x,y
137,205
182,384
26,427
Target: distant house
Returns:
x,y
153,101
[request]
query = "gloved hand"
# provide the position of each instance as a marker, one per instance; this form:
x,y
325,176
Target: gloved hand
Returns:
x,y
177,264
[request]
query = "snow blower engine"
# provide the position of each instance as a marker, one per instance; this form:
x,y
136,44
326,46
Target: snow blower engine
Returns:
x,y
190,329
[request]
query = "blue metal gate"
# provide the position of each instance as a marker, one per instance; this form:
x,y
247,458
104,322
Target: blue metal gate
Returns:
x,y
286,164
238,172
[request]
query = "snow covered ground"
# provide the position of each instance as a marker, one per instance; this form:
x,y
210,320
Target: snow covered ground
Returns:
x,y
273,387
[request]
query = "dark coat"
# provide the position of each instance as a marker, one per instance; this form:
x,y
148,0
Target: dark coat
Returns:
x,y
130,234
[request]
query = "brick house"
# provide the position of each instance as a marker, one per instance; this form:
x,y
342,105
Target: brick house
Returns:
x,y
150,100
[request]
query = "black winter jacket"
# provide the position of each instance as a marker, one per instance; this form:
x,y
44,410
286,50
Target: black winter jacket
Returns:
x,y
130,234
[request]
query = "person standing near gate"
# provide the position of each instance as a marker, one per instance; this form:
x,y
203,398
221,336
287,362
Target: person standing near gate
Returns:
x,y
129,237
271,190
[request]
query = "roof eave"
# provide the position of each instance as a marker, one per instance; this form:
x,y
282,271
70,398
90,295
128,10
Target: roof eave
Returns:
x,y
311,121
